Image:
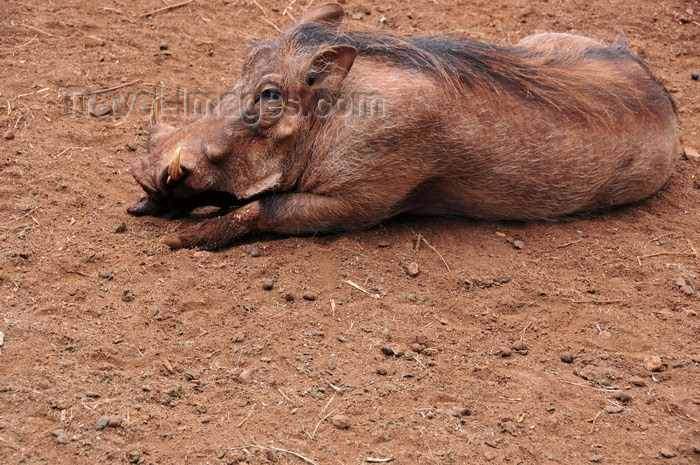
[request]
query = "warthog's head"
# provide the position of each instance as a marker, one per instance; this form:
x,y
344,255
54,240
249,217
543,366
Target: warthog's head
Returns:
x,y
260,128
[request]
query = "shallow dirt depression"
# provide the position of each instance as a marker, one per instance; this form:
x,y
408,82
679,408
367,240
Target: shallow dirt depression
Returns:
x,y
513,343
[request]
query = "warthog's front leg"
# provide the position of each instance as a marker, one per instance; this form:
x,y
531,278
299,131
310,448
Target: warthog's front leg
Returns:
x,y
297,213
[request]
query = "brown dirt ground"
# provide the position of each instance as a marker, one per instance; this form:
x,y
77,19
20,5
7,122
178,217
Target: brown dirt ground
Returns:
x,y
160,345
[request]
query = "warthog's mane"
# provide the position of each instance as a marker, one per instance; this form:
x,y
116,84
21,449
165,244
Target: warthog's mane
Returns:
x,y
585,83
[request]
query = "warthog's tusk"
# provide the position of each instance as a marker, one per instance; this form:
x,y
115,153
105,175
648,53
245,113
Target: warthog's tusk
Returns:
x,y
175,171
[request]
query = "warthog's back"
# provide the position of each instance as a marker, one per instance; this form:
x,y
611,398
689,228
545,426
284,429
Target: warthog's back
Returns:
x,y
558,124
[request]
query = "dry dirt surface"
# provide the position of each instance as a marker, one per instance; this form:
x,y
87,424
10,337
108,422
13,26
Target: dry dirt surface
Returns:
x,y
515,343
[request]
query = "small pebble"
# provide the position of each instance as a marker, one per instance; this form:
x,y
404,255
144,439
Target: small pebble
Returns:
x,y
694,76
667,453
623,397
9,135
412,269
518,245
613,409
691,154
386,350
120,228
520,347
102,423
505,351
62,439
133,456
417,348
163,45
341,422
653,363
309,296
637,381
104,274
567,357
114,422
252,250
244,377
268,284
289,297
595,458
57,432
422,339
381,370
460,412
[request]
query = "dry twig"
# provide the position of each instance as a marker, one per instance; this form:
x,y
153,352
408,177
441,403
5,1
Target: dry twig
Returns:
x,y
276,449
43,32
356,286
165,8
247,416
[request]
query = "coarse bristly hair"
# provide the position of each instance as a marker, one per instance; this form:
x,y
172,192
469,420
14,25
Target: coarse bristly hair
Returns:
x,y
583,83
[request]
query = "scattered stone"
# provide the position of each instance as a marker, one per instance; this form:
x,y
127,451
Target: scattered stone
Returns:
x,y
133,146
505,351
460,412
341,422
613,409
691,154
518,245
102,423
694,76
252,250
104,274
509,427
244,377
422,339
133,456
696,448
637,381
120,228
667,453
62,439
9,135
114,422
520,347
623,397
595,458
309,296
567,357
381,370
268,284
550,408
57,432
163,45
412,269
602,375
289,297
653,363
342,338
2,339
386,350
429,351
128,296
176,392
417,348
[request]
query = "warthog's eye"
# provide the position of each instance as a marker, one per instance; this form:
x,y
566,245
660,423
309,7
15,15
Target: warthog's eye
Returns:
x,y
270,94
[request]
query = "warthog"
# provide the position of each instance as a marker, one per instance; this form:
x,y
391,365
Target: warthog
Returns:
x,y
338,130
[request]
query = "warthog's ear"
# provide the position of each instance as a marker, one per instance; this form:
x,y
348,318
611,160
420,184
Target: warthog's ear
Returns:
x,y
330,67
330,13
158,132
